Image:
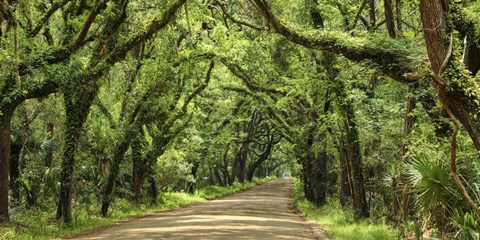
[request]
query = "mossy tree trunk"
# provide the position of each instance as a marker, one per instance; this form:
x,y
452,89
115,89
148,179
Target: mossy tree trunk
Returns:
x,y
320,174
225,173
307,179
153,189
261,159
137,163
244,149
346,186
77,103
457,90
118,157
354,155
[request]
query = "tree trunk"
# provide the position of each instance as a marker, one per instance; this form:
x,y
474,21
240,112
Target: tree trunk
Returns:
x,y
234,173
433,15
77,108
317,163
137,170
352,144
153,185
192,186
226,177
457,91
118,157
263,157
242,161
398,17
15,152
4,164
219,177
306,176
350,141
390,20
320,176
372,8
351,134
346,186
245,147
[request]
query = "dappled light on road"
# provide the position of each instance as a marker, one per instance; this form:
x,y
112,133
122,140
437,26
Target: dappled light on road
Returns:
x,y
263,212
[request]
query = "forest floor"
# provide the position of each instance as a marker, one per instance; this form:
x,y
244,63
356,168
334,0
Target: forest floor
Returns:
x,y
262,212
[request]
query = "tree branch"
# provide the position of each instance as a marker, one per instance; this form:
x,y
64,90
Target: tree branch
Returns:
x,y
239,22
44,19
240,73
393,62
88,23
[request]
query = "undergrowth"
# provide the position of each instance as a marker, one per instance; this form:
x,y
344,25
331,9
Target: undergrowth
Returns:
x,y
35,224
340,224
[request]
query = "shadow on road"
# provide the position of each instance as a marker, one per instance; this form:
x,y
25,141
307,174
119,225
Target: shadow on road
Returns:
x,y
263,212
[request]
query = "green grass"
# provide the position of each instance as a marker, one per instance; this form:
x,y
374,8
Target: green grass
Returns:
x,y
339,223
38,225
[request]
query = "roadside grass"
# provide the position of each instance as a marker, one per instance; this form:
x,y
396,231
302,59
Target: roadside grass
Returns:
x,y
214,191
340,224
34,224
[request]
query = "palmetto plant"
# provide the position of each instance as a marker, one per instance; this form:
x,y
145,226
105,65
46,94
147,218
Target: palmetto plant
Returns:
x,y
392,179
435,190
469,226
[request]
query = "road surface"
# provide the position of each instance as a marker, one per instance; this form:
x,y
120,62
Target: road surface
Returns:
x,y
262,212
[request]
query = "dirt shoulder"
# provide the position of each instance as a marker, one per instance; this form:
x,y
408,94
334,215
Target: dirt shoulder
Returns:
x,y
262,212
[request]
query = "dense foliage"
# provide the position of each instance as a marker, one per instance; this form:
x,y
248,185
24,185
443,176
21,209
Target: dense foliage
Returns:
x,y
373,104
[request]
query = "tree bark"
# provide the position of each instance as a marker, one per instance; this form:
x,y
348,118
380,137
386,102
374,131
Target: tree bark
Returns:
x,y
263,157
118,157
15,152
346,186
137,171
372,15
457,91
225,174
390,20
307,180
219,177
4,163
242,161
77,107
153,185
192,186
352,144
245,146
320,176
398,17
234,172
433,15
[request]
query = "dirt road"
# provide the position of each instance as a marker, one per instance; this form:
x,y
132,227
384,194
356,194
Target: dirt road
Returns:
x,y
263,212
